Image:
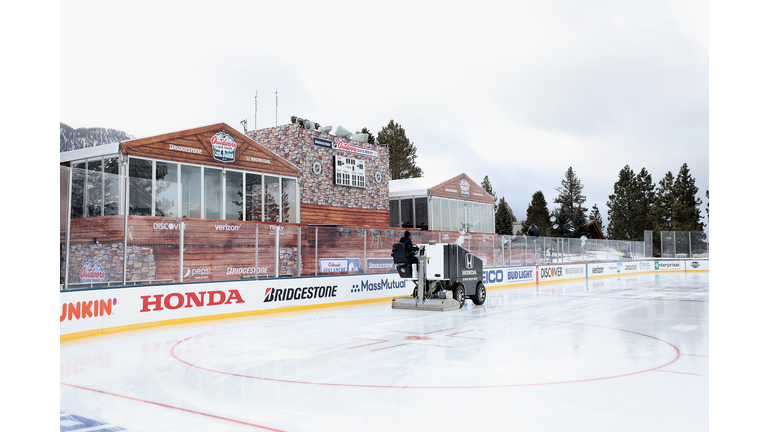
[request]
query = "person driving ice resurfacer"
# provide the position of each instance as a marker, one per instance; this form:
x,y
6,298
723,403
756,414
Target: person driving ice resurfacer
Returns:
x,y
405,252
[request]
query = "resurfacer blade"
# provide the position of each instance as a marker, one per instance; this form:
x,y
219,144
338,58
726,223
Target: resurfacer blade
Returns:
x,y
408,302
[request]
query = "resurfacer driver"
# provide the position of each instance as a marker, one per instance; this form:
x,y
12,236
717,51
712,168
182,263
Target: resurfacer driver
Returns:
x,y
410,248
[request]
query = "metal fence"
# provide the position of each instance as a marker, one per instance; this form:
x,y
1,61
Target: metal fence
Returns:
x,y
102,246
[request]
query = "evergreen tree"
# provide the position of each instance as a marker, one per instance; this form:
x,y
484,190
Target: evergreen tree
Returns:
x,y
663,204
486,185
537,214
505,219
707,206
371,137
686,205
402,152
570,197
642,206
580,222
620,219
594,215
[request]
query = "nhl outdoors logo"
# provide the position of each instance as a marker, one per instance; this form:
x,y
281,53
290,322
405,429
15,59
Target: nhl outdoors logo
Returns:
x,y
695,264
377,177
317,168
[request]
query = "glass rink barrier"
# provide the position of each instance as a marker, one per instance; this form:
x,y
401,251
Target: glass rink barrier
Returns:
x,y
155,243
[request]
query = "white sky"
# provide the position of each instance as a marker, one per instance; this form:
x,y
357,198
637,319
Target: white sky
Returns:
x,y
515,90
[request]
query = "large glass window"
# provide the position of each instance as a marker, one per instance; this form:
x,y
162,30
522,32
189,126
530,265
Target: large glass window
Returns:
x,y
166,189
406,212
191,192
289,200
253,191
140,187
271,199
234,195
462,215
490,219
93,191
445,214
213,184
78,190
483,218
453,221
111,186
394,213
476,217
422,213
436,225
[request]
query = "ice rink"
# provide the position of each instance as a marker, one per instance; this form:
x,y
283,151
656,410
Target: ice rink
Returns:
x,y
624,353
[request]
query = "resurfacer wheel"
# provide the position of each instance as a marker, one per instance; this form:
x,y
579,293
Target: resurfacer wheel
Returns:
x,y
459,295
479,297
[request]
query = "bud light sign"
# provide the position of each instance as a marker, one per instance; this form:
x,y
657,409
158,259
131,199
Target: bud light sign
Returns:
x,y
223,147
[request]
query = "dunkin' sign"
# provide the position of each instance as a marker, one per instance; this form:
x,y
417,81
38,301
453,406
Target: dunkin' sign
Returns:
x,y
223,147
91,272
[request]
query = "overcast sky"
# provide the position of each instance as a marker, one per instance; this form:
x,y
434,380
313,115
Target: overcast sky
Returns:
x,y
515,90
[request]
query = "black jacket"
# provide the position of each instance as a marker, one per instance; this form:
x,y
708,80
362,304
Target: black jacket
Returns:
x,y
408,244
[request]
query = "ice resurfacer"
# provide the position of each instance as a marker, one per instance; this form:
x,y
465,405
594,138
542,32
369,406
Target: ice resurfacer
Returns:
x,y
444,274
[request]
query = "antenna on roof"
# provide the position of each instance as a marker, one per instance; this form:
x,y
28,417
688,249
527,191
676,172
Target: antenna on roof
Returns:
x,y
275,106
245,125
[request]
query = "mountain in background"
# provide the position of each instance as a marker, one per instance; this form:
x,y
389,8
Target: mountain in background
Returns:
x,y
76,139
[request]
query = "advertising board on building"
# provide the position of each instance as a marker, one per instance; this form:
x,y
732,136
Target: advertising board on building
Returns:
x,y
328,265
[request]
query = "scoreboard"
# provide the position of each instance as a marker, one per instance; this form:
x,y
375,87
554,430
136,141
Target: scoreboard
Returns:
x,y
349,172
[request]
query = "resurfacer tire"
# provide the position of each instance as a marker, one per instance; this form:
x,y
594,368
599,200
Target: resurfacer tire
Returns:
x,y
459,295
479,297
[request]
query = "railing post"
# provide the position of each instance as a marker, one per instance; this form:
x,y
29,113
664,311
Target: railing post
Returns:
x,y
365,251
181,251
298,241
69,221
277,250
256,267
316,246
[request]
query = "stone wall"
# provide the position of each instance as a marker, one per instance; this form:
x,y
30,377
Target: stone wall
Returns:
x,y
295,144
140,265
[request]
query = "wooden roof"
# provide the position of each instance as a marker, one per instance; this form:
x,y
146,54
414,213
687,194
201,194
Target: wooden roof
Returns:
x,y
194,146
453,189
595,230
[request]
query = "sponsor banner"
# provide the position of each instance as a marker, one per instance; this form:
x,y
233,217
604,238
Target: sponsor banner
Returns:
x,y
380,264
91,272
362,151
609,269
328,265
85,310
223,147
697,265
509,275
669,265
376,286
561,272
321,142
282,293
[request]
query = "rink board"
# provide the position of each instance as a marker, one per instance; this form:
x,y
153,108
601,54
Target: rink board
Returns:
x,y
92,312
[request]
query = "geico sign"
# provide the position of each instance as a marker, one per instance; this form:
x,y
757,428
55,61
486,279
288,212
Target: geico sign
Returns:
x,y
86,309
168,226
492,276
177,300
548,272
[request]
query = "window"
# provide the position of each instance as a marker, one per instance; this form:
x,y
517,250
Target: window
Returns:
x,y
436,224
289,200
483,218
111,186
166,189
140,187
234,195
422,213
78,190
462,215
445,214
453,222
93,191
253,201
191,192
394,213
213,186
271,199
406,212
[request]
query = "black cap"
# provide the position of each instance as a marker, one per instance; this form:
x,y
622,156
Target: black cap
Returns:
x,y
407,234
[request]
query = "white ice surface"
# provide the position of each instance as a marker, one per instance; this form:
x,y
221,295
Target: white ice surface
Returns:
x,y
627,353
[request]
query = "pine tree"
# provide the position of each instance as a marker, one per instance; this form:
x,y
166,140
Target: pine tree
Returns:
x,y
402,152
642,205
371,137
486,185
505,219
686,205
594,215
664,204
537,213
570,197
619,205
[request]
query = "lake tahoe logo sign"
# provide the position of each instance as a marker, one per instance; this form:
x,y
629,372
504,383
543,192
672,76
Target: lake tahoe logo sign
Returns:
x,y
223,147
